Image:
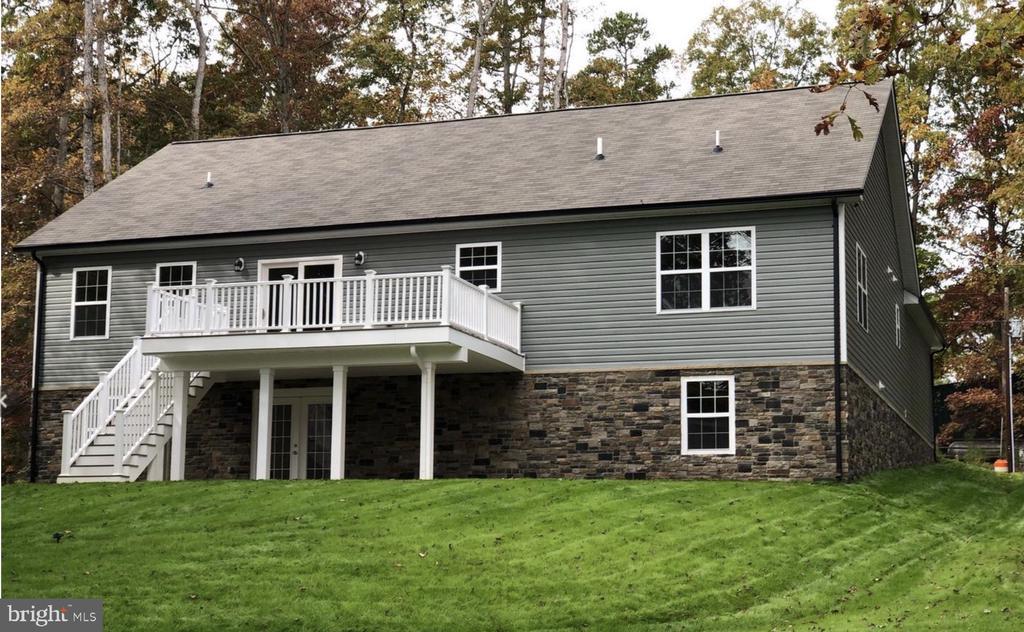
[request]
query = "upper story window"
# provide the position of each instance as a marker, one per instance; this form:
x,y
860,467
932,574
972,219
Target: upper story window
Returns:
x,y
862,288
706,270
90,303
899,327
480,264
176,274
709,415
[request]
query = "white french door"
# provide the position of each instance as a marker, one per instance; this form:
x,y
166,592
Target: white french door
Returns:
x,y
308,302
300,438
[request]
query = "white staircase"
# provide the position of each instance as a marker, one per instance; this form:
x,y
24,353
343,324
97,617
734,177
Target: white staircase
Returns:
x,y
124,424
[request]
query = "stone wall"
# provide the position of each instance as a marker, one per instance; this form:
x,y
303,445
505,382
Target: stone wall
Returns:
x,y
218,437
627,424
51,428
876,438
617,424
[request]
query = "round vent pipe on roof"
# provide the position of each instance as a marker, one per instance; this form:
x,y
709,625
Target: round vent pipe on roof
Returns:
x,y
600,149
718,144
209,179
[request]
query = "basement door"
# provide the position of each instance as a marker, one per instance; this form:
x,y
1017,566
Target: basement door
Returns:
x,y
300,438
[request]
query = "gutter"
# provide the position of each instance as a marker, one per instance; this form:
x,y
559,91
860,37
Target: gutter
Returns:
x,y
465,221
37,362
837,362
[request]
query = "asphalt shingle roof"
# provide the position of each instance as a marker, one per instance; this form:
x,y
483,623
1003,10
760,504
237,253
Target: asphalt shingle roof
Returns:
x,y
656,152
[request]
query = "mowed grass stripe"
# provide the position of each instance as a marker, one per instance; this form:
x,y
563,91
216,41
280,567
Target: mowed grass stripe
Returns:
x,y
928,548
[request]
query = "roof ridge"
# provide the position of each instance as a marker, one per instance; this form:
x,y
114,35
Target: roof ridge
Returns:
x,y
500,116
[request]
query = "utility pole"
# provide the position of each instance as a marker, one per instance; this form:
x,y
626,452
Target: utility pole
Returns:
x,y
1016,331
1007,384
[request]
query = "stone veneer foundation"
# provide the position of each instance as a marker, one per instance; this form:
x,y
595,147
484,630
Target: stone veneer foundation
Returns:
x,y
876,437
602,424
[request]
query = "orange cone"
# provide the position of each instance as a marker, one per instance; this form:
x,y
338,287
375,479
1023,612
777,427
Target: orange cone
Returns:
x,y
1001,465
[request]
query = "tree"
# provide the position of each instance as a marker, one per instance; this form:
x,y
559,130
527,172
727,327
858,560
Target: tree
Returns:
x,y
88,113
626,75
756,46
980,213
103,86
195,9
542,55
285,46
398,62
959,72
484,9
565,19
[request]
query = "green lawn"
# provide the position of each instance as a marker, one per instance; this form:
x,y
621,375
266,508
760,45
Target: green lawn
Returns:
x,y
939,547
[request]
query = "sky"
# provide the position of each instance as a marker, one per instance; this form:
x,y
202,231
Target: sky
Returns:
x,y
671,22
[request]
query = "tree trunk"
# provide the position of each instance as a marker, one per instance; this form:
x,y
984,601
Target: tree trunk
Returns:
x,y
60,158
541,58
196,9
507,85
409,26
117,116
284,98
563,56
483,13
104,87
88,116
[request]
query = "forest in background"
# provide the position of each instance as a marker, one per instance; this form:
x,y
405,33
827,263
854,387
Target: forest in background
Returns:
x,y
92,87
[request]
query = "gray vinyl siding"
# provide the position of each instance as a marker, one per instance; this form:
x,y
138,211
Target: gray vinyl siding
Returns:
x,y
905,371
588,291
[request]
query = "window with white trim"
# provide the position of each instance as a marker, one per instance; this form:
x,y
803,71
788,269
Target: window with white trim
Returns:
x,y
862,288
706,270
709,415
176,274
90,303
899,327
480,264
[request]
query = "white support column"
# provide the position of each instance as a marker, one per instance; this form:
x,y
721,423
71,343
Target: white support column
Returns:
x,y
339,395
119,446
264,410
152,307
156,468
66,442
179,395
427,379
446,295
370,299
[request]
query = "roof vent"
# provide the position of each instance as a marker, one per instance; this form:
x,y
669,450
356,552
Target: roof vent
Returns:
x,y
600,149
209,179
718,144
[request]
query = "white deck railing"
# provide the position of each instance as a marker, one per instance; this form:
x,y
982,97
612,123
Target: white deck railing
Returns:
x,y
386,300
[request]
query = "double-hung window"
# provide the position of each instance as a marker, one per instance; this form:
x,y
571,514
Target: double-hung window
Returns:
x,y
90,303
480,264
706,270
862,287
709,415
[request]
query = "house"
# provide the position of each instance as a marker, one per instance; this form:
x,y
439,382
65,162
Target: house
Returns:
x,y
675,289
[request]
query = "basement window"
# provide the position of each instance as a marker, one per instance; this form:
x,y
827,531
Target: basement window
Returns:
x,y
709,415
703,270
480,264
862,288
90,303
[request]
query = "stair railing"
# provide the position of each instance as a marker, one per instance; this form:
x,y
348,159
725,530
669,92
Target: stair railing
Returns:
x,y
140,416
114,391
